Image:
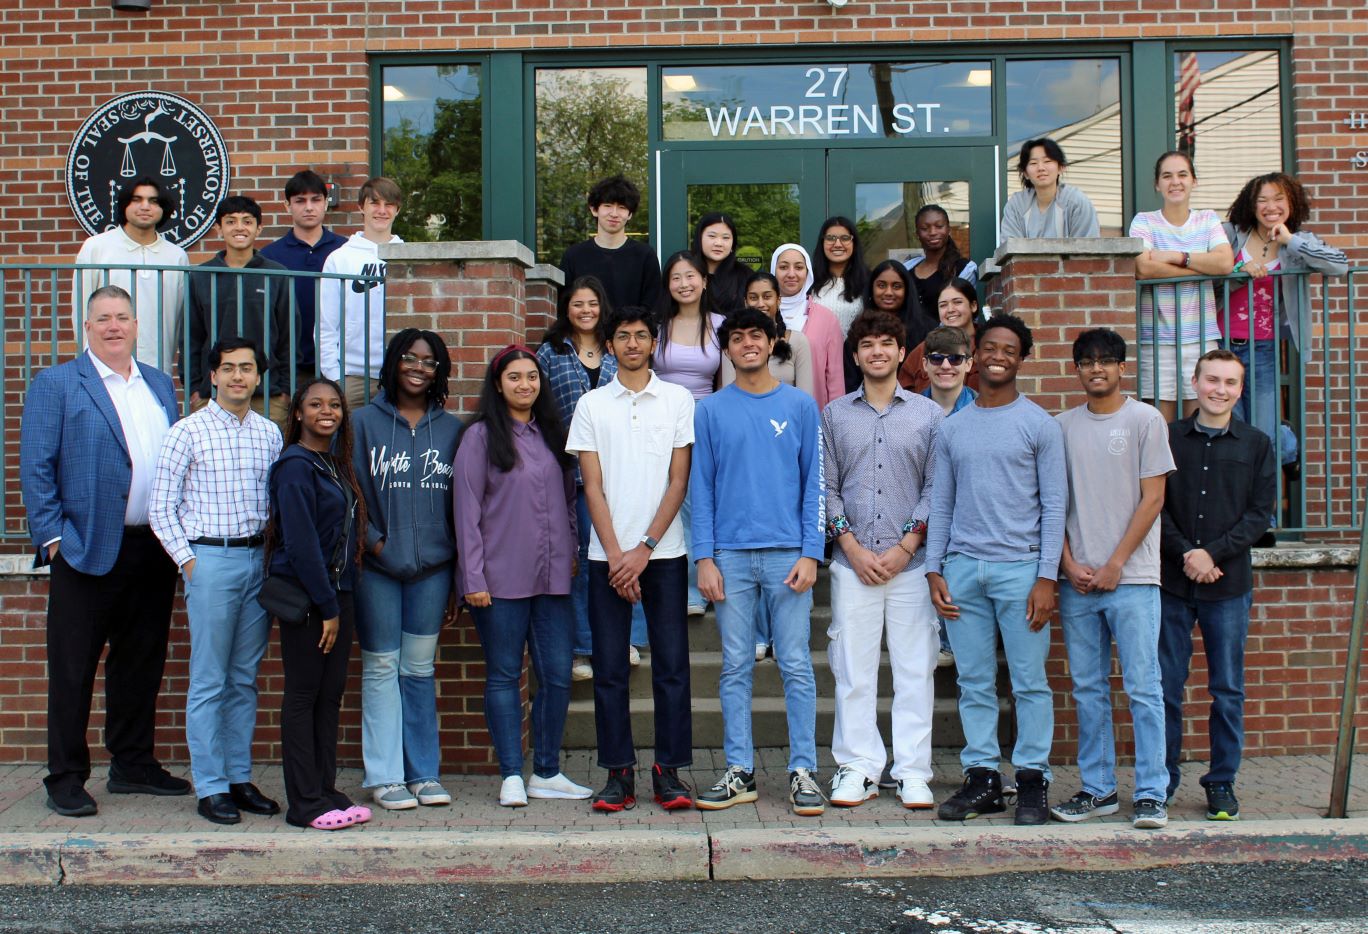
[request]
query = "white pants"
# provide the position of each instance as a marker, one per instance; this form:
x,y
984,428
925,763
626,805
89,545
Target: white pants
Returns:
x,y
860,617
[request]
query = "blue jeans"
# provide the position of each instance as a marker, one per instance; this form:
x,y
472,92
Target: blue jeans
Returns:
x,y
751,578
1260,389
544,625
686,517
1225,625
397,624
228,633
579,588
1130,615
991,596
662,593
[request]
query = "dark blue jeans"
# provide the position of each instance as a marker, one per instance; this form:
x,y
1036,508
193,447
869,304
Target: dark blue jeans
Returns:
x,y
545,625
664,587
579,588
1224,625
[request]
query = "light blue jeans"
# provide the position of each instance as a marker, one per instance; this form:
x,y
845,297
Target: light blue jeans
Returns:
x,y
1130,615
228,634
991,596
751,578
397,624
1260,391
579,588
695,597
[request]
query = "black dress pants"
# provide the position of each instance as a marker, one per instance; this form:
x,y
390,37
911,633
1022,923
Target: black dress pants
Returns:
x,y
314,684
130,609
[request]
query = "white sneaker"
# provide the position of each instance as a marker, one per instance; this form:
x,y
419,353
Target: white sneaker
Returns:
x,y
430,793
851,789
761,650
696,610
945,658
581,670
512,793
394,797
915,794
633,656
557,786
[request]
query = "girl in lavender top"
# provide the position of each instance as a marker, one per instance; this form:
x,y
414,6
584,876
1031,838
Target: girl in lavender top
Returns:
x,y
688,354
514,491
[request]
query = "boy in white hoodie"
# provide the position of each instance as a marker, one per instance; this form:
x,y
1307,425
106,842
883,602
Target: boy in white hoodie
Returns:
x,y
355,305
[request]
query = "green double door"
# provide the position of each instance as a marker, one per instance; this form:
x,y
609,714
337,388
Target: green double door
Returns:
x,y
778,196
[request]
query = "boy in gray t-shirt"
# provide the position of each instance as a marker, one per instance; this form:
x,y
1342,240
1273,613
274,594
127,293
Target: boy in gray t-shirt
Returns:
x,y
1117,454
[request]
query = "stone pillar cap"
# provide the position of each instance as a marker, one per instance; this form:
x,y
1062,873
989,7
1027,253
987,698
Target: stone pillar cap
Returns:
x,y
1068,246
445,251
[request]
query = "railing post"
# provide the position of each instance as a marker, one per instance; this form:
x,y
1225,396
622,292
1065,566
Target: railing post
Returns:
x,y
1344,744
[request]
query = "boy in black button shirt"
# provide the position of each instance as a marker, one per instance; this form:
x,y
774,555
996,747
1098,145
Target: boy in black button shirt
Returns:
x,y
1216,506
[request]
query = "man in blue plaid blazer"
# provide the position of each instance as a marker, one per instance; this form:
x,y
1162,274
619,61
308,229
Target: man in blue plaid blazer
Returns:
x,y
87,453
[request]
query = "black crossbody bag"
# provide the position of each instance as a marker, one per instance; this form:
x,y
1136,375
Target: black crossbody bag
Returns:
x,y
285,599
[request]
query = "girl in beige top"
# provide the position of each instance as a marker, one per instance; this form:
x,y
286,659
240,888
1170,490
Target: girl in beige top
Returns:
x,y
791,361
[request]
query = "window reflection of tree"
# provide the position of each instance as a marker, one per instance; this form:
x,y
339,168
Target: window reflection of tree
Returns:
x,y
590,124
439,170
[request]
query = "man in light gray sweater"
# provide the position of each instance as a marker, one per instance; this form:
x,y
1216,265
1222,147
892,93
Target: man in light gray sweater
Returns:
x,y
992,558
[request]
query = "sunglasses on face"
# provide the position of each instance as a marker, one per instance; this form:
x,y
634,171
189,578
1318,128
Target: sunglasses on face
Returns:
x,y
940,359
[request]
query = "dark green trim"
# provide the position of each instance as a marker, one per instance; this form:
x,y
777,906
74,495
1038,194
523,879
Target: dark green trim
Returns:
x,y
1151,132
506,194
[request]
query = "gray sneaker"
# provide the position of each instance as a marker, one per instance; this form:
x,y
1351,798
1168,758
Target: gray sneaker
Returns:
x,y
1083,806
1150,815
394,797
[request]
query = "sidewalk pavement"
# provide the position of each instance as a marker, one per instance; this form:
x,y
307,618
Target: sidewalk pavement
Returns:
x,y
137,839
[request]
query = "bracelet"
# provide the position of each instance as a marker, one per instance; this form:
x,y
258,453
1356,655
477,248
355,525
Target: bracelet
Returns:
x,y
914,528
1187,259
910,554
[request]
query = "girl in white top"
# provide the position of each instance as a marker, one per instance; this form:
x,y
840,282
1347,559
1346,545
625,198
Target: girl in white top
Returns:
x,y
791,361
839,275
1179,242
1046,207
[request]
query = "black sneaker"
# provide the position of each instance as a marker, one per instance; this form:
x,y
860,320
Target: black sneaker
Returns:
x,y
619,792
1150,815
1033,798
1083,805
980,794
71,801
149,780
1221,802
804,794
736,786
671,792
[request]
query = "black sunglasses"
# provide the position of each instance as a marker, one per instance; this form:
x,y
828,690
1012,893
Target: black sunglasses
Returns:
x,y
955,359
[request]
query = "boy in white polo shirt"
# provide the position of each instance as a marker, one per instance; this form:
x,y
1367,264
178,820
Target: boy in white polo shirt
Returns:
x,y
633,438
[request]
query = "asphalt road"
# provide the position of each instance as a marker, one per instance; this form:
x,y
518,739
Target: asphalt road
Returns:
x,y
1279,898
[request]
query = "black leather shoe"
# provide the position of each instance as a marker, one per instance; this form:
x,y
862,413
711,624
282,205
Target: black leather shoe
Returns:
x,y
248,797
151,780
220,809
71,801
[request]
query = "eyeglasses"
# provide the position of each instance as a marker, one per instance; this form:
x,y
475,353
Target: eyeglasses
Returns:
x,y
1091,362
246,369
838,238
954,359
426,364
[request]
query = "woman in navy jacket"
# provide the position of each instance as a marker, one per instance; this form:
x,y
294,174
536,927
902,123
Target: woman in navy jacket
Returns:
x,y
315,505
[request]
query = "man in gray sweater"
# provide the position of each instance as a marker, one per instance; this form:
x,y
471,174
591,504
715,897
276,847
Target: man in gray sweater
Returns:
x,y
992,557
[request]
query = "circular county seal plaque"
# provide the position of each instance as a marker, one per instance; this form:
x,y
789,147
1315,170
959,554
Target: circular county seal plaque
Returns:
x,y
148,133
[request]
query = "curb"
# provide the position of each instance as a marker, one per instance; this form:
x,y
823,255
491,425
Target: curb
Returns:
x,y
955,851
301,859
427,857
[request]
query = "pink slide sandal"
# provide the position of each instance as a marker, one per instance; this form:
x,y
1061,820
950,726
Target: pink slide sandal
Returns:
x,y
359,813
333,820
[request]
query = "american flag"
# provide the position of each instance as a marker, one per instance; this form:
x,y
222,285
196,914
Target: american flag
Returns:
x,y
1189,78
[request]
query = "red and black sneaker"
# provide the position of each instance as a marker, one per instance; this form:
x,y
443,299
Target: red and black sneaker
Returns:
x,y
671,792
619,792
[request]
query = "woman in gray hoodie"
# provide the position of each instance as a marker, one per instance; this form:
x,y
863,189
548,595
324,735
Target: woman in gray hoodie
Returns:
x,y
1045,206
405,442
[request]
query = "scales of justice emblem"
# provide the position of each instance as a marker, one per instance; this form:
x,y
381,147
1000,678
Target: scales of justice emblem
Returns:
x,y
148,134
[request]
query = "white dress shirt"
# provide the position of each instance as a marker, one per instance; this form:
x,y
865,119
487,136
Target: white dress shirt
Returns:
x,y
144,426
157,296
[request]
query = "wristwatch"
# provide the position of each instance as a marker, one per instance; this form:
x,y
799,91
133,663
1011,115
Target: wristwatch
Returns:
x,y
649,542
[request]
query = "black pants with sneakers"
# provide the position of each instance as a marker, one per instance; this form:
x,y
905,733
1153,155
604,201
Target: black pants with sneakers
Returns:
x,y
128,608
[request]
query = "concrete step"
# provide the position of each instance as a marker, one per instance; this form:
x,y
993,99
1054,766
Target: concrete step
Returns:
x,y
769,726
705,668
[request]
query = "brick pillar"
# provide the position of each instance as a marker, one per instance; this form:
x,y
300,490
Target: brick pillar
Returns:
x,y
474,294
543,290
1060,288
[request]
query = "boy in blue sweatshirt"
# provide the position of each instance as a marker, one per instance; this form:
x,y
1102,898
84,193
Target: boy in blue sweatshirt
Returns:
x,y
758,513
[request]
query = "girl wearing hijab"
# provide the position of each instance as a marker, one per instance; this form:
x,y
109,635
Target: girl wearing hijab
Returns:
x,y
792,268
